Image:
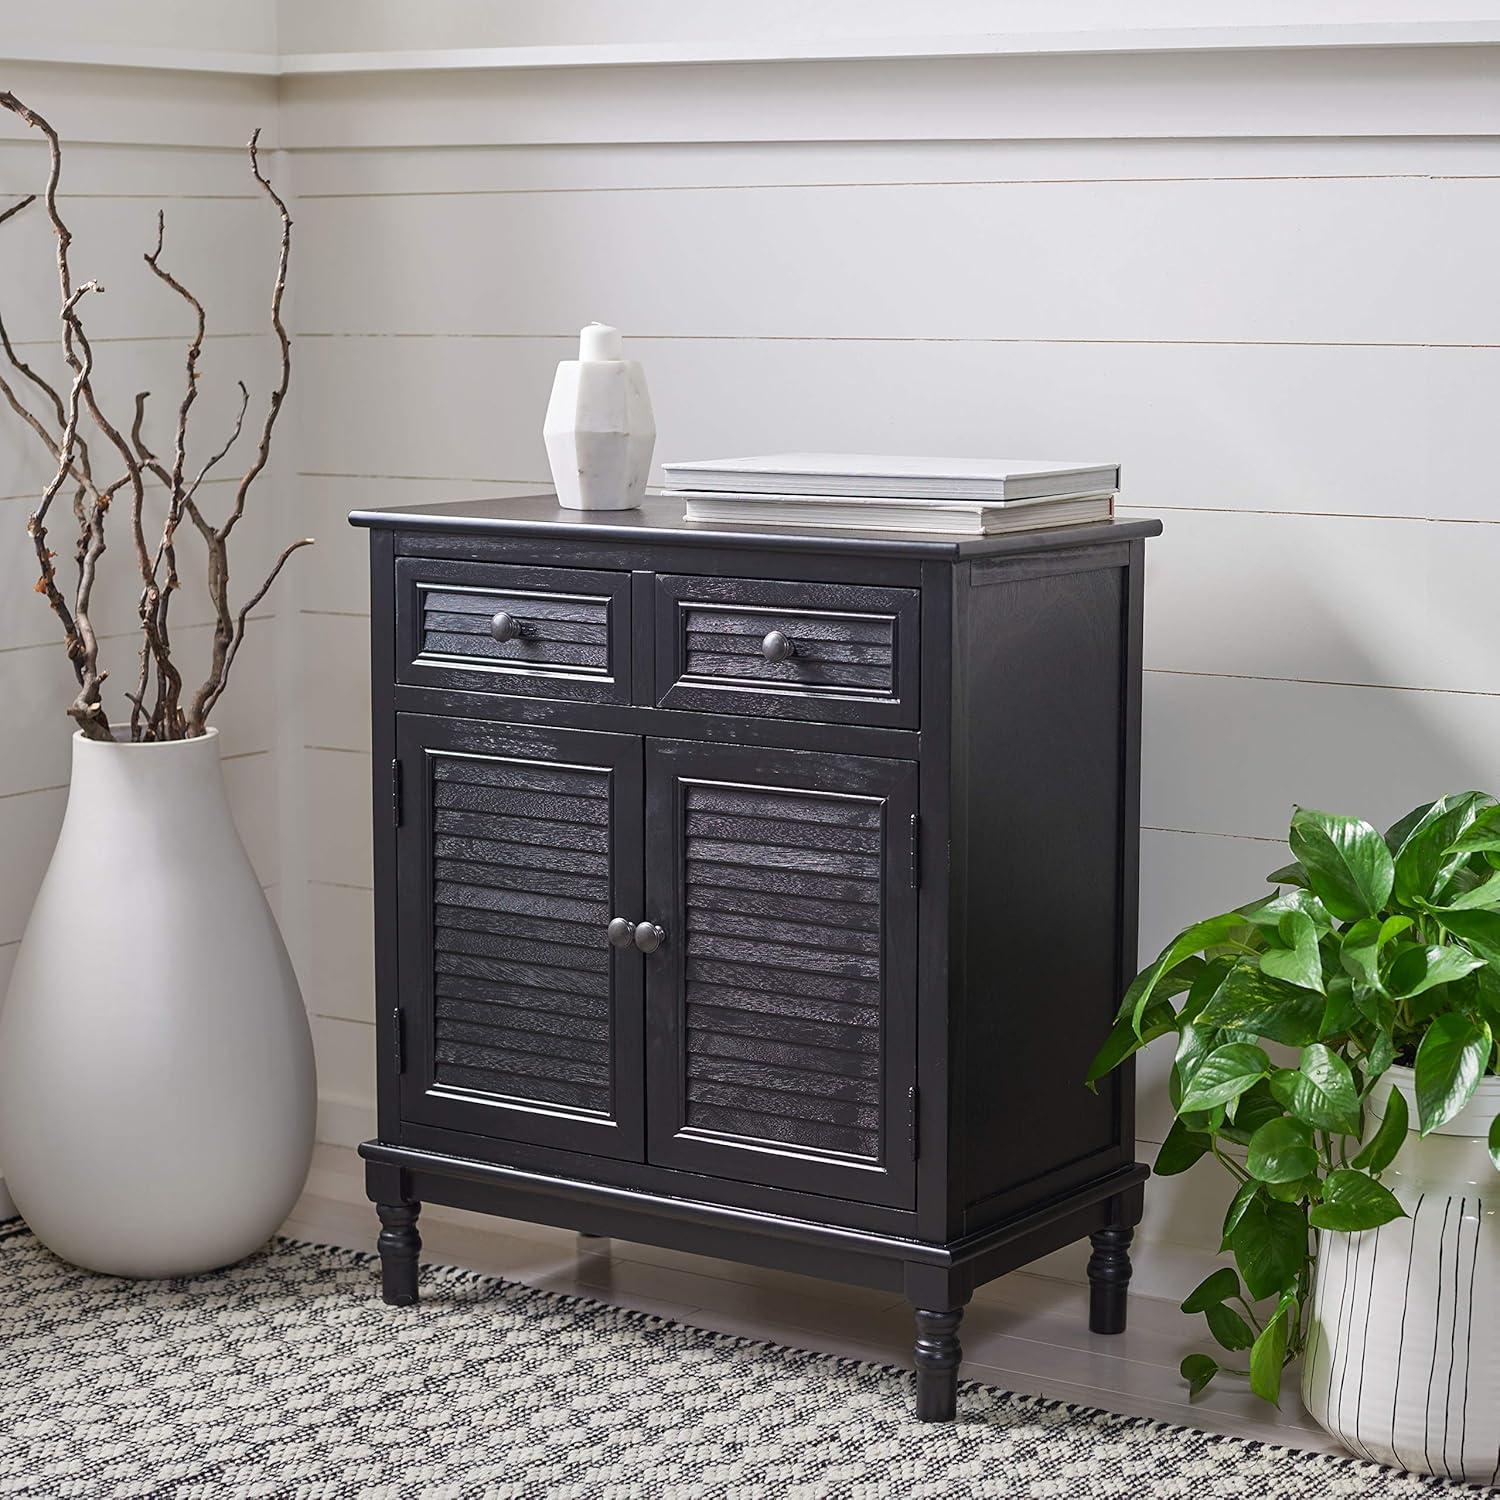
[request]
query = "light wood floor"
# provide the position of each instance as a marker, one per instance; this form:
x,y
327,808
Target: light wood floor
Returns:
x,y
1024,1333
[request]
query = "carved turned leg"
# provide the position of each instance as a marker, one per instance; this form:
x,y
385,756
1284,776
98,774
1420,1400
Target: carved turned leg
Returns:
x,y
938,1355
399,1245
1109,1278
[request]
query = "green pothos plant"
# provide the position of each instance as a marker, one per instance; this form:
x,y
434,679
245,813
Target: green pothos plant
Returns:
x,y
1376,950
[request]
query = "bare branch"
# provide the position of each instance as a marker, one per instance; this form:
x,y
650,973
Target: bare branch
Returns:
x,y
228,632
234,437
278,395
16,208
239,627
164,718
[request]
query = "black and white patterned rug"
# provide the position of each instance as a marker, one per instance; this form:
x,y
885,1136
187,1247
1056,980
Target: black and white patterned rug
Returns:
x,y
287,1376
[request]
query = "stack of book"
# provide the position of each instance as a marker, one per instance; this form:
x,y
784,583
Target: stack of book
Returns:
x,y
877,492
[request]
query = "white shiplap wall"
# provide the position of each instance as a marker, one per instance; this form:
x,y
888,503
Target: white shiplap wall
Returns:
x,y
1261,276
1289,343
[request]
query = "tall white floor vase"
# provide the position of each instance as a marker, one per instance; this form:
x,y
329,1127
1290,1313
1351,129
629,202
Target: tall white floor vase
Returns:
x,y
1403,1361
157,1091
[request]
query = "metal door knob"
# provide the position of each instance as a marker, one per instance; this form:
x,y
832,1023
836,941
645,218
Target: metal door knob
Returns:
x,y
621,932
649,937
506,627
777,646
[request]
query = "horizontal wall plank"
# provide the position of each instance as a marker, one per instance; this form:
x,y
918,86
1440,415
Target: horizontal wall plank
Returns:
x,y
730,167
223,249
1241,428
1329,598
121,369
122,170
1343,92
1228,755
338,803
335,577
146,107
345,1052
335,663
338,973
1334,261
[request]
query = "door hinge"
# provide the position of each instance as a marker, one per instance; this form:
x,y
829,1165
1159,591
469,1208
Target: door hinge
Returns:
x,y
396,793
915,853
912,1138
398,1038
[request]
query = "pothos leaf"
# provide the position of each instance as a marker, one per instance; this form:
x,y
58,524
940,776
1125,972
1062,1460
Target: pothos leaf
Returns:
x,y
1187,943
1282,1151
1249,1000
1218,1286
1270,1245
1450,1062
1380,1150
1299,962
1180,1150
1320,1092
1268,1353
1197,1370
1353,1201
1244,1196
1225,1074
1228,1327
1348,865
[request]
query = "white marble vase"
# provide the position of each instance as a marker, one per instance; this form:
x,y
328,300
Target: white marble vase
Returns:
x,y
599,430
157,1089
1403,1359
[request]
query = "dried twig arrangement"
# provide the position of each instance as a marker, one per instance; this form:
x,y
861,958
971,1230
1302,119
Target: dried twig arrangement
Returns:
x,y
158,708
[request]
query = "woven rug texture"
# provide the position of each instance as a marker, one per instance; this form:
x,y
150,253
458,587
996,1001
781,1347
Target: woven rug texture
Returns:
x,y
287,1376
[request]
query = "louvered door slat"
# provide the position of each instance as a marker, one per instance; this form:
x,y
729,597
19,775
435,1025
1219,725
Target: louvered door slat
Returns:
x,y
785,991
519,845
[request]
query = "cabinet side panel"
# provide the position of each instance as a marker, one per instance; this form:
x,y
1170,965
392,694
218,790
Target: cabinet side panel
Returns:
x,y
1045,770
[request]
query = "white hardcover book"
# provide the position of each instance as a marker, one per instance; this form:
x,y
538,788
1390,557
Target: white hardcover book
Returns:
x,y
948,518
886,476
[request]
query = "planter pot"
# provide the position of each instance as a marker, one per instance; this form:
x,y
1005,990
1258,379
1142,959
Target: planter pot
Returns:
x,y
1403,1362
157,1092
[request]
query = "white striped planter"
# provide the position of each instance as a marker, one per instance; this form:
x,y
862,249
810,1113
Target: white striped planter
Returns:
x,y
1403,1357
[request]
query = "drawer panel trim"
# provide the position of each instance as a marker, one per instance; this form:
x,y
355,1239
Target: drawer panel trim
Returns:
x,y
514,630
818,651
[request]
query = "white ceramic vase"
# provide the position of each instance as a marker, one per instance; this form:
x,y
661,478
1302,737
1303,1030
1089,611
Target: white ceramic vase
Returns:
x,y
1403,1357
599,429
157,1089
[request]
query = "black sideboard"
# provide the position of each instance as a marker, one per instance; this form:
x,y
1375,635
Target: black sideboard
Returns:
x,y
759,895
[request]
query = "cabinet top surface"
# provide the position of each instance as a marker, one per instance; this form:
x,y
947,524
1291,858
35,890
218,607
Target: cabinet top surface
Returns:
x,y
660,519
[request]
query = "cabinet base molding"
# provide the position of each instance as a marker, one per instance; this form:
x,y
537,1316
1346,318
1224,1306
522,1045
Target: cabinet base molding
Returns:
x,y
938,1279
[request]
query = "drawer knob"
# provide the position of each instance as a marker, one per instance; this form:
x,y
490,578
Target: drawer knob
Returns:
x,y
649,937
506,627
621,932
777,646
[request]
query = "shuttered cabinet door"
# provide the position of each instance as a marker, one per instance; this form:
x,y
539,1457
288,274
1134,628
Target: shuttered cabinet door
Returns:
x,y
516,846
780,1005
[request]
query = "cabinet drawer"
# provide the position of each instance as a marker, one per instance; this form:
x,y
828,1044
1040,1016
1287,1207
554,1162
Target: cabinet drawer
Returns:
x,y
826,651
504,628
